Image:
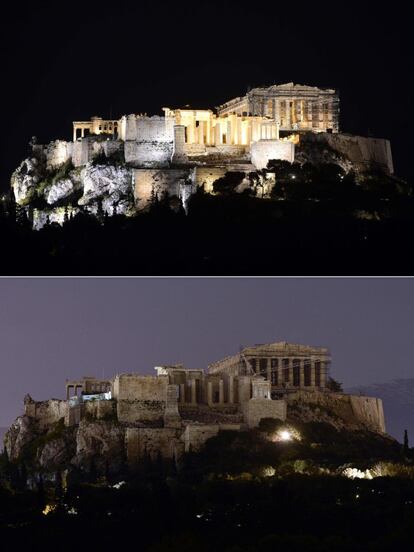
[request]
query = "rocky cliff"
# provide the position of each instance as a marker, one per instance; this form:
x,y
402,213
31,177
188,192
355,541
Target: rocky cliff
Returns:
x,y
92,446
53,194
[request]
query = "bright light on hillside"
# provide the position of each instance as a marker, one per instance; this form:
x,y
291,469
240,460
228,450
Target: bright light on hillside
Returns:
x,y
285,435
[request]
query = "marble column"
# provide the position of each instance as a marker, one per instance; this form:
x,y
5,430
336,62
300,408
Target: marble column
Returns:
x,y
228,133
193,392
209,393
231,389
217,134
201,132
277,111
221,392
312,373
301,373
290,373
288,119
182,393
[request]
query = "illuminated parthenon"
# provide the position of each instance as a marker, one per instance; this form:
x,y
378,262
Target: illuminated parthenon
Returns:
x,y
291,106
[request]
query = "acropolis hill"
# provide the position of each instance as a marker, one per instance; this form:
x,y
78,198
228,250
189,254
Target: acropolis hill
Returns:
x,y
133,416
120,165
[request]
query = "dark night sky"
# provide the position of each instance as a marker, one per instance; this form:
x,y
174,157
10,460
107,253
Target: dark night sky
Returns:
x,y
52,329
62,61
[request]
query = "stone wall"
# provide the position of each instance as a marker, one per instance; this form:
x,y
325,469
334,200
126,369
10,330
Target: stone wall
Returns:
x,y
257,409
148,154
46,412
195,435
177,182
152,442
369,410
99,409
362,152
57,153
264,150
353,409
140,399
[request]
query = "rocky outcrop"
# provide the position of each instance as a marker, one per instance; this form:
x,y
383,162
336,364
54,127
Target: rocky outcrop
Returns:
x,y
101,444
19,435
108,184
25,180
93,445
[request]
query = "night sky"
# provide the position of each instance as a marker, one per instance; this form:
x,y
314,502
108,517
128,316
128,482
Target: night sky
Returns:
x,y
53,329
65,61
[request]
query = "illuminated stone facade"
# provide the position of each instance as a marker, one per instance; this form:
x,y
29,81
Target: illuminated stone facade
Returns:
x,y
95,126
291,106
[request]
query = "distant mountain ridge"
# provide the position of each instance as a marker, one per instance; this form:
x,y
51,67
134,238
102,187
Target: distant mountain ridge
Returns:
x,y
398,400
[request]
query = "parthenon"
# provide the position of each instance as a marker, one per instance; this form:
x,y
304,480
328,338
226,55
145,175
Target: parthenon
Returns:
x,y
291,106
285,365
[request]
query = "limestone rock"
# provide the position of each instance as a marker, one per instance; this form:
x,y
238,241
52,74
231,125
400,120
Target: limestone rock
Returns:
x,y
109,184
20,433
102,443
25,179
55,453
59,190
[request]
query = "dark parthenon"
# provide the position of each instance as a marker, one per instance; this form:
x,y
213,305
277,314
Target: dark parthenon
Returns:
x,y
285,365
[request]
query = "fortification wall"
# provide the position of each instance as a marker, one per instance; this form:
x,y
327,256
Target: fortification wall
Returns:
x,y
80,153
367,411
195,436
140,399
257,409
264,150
99,409
57,153
46,412
177,182
137,387
152,442
148,154
360,150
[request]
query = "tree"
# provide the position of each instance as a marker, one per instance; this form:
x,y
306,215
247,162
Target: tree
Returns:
x,y
227,184
334,385
406,448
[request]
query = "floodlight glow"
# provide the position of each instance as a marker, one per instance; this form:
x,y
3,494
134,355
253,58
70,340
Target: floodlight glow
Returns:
x,y
285,435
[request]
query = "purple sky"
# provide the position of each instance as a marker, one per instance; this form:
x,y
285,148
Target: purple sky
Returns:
x,y
52,329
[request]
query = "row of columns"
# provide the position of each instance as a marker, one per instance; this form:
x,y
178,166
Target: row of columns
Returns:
x,y
75,387
302,112
210,396
288,363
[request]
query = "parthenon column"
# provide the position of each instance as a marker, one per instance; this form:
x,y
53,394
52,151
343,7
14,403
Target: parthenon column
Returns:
x,y
193,391
209,393
228,133
312,373
201,132
290,372
277,111
182,393
221,392
217,133
301,373
288,123
231,389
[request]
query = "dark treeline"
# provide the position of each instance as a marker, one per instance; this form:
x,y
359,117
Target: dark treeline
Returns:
x,y
224,498
309,225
